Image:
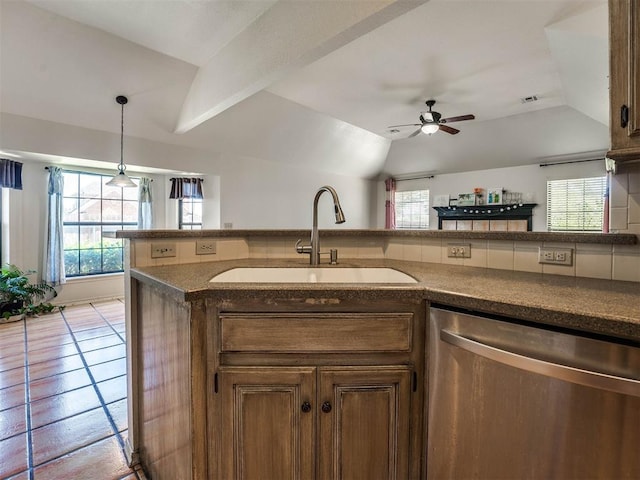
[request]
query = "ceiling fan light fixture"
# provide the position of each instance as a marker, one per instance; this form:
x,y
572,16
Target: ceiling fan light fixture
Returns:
x,y
430,128
121,179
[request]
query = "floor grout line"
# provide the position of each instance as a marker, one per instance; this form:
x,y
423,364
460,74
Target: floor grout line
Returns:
x,y
27,398
27,331
114,427
108,322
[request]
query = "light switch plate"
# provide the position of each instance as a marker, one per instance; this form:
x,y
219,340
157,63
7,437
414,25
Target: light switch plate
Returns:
x,y
163,250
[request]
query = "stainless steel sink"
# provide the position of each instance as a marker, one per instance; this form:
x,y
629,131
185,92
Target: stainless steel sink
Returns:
x,y
312,275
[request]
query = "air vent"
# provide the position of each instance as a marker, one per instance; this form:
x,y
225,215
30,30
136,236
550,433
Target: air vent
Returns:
x,y
529,99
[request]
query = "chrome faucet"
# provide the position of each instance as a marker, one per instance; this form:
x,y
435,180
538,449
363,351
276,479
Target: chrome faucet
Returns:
x,y
314,249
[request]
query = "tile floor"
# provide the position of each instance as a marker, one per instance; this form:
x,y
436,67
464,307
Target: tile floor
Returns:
x,y
63,412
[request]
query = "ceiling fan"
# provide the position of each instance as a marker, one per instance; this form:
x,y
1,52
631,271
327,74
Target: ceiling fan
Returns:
x,y
432,121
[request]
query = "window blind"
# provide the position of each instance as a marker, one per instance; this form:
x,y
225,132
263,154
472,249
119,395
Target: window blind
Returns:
x,y
412,209
576,205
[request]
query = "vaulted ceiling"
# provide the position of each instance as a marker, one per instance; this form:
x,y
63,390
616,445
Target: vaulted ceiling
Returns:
x,y
274,79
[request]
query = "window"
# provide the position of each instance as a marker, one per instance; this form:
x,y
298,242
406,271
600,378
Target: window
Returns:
x,y
190,214
576,205
412,209
91,210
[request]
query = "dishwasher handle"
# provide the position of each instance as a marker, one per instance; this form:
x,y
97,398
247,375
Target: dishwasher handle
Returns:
x,y
623,385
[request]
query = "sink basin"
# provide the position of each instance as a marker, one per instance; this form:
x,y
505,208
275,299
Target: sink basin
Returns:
x,y
312,275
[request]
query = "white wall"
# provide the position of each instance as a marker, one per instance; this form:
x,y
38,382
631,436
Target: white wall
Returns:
x,y
252,192
261,194
247,192
531,179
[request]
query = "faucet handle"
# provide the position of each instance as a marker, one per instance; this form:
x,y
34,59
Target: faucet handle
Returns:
x,y
302,248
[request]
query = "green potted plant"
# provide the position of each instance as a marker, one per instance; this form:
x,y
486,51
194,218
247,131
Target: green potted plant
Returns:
x,y
20,297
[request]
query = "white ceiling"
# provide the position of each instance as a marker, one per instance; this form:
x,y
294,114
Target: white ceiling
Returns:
x,y
245,77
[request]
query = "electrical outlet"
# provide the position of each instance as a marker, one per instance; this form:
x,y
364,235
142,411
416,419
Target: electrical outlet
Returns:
x,y
459,250
163,250
228,225
205,247
555,256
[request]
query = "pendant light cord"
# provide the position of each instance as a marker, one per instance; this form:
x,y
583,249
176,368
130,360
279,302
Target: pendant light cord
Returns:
x,y
122,100
122,137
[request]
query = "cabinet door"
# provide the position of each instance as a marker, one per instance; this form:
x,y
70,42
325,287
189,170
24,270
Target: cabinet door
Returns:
x,y
517,226
624,37
267,423
498,225
464,225
364,423
482,225
449,225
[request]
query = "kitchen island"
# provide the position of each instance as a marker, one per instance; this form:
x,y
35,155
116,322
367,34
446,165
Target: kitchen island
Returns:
x,y
212,363
586,304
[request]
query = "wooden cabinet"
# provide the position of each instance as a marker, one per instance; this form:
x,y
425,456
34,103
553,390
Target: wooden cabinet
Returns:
x,y
364,423
319,395
268,422
273,415
624,90
277,384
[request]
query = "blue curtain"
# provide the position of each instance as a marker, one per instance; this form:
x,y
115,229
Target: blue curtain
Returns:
x,y
53,271
186,188
10,174
145,210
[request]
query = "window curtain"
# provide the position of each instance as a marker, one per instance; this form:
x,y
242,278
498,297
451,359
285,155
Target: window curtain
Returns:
x,y
53,271
145,207
10,174
186,188
390,204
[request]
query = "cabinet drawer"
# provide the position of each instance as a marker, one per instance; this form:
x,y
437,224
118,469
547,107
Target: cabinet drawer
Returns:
x,y
316,332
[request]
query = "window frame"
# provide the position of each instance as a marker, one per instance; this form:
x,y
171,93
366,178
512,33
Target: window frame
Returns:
x,y
192,225
424,203
593,191
116,244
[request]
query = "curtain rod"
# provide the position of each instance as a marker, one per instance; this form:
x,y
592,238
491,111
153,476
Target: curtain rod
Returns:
x,y
571,161
402,179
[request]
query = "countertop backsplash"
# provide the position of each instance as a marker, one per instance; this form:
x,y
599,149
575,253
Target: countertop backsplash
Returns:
x,y
609,261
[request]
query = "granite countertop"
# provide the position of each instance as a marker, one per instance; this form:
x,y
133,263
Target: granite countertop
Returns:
x,y
566,237
598,306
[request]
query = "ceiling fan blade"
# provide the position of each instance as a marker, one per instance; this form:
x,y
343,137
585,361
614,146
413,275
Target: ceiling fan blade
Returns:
x,y
457,119
407,125
415,133
448,129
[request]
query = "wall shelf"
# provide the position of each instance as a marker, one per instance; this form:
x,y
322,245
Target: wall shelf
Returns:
x,y
515,211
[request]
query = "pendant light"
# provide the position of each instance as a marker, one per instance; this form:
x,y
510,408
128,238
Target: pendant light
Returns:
x,y
121,179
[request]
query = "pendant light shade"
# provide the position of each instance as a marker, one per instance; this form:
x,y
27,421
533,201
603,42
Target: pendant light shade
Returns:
x,y
121,179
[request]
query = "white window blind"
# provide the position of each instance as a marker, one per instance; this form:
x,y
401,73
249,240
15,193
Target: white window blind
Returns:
x,y
576,205
412,209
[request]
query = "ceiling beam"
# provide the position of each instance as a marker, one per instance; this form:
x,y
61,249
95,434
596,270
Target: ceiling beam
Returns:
x,y
289,35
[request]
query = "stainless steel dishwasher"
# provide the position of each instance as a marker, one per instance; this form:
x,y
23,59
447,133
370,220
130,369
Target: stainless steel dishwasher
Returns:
x,y
512,401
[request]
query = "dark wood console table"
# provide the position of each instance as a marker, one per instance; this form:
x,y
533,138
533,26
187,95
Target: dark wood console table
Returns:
x,y
518,211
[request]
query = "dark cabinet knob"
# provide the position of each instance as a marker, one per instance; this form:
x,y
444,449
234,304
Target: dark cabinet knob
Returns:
x,y
306,407
326,407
